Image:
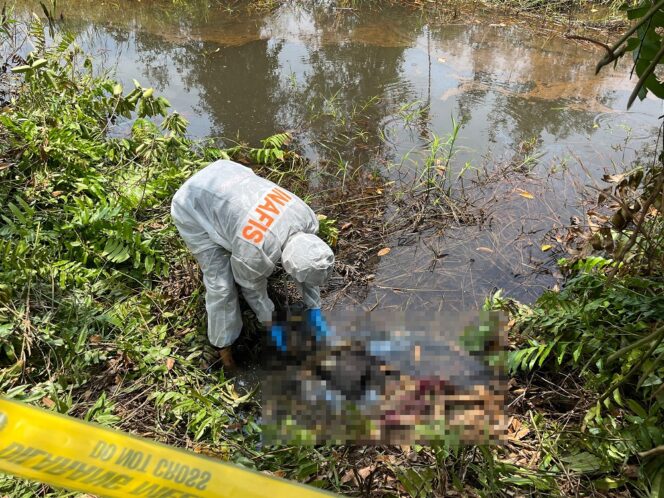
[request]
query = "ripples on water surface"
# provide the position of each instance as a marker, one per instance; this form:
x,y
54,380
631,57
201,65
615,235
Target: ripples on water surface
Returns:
x,y
518,93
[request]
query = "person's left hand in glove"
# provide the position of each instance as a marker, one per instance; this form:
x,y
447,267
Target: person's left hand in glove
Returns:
x,y
278,335
315,323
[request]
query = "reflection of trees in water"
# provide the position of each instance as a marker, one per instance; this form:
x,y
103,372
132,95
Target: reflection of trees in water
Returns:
x,y
247,93
242,82
355,74
534,117
342,76
163,17
245,89
504,71
240,87
109,44
156,58
510,114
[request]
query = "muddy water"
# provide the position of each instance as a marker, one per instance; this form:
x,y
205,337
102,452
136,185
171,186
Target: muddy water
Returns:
x,y
367,89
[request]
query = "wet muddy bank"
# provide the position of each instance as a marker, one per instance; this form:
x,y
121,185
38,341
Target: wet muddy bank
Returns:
x,y
367,94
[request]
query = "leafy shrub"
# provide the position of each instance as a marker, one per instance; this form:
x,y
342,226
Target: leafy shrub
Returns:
x,y
100,309
610,335
87,250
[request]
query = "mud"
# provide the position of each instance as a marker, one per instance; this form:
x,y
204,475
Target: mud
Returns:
x,y
364,93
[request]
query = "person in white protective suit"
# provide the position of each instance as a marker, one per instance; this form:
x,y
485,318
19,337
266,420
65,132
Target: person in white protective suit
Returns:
x,y
238,226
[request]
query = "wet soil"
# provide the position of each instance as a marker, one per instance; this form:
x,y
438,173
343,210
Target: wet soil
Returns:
x,y
365,92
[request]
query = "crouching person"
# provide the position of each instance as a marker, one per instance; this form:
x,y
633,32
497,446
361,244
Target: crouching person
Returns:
x,y
238,226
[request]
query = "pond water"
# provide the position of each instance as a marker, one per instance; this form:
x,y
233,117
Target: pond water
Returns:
x,y
368,88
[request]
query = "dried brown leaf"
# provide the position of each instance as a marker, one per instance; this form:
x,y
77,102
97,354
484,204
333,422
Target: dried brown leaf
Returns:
x,y
364,473
521,433
614,178
347,477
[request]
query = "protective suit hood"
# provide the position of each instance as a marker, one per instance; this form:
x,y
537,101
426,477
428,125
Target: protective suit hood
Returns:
x,y
307,259
237,224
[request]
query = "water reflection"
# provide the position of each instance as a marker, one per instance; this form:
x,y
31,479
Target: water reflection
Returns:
x,y
341,80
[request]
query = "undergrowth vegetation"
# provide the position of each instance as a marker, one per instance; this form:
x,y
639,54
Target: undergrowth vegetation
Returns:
x,y
602,344
600,340
101,315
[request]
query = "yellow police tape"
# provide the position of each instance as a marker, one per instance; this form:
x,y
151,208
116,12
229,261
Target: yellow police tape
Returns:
x,y
71,454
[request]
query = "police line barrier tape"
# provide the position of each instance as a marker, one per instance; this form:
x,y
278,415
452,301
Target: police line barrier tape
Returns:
x,y
68,453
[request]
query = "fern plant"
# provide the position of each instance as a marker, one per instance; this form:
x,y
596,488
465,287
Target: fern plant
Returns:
x,y
612,338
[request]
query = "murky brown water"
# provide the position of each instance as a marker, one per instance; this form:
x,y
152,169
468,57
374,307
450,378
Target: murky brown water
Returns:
x,y
518,90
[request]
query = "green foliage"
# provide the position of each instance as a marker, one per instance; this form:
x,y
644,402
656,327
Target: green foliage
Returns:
x,y
436,174
88,325
327,230
87,250
100,309
644,41
611,337
272,152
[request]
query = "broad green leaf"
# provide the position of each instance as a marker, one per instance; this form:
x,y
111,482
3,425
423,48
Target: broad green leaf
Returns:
x,y
149,263
17,213
636,408
583,462
21,69
38,63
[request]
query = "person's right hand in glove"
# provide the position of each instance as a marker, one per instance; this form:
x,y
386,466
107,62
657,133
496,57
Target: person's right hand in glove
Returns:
x,y
318,323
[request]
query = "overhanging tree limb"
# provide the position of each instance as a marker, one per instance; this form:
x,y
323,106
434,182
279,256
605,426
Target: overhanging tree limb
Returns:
x,y
613,55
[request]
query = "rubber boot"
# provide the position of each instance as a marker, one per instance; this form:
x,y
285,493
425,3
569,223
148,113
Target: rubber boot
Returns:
x,y
226,357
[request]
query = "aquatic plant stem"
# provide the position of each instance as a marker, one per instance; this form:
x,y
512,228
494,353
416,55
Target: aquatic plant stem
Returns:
x,y
631,372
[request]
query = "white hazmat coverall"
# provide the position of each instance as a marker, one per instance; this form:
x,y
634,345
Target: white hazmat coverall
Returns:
x,y
238,225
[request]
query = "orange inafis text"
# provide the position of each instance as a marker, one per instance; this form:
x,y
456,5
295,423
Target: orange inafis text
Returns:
x,y
264,214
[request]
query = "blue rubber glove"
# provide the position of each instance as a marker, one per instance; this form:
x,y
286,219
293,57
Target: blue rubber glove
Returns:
x,y
317,321
277,334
